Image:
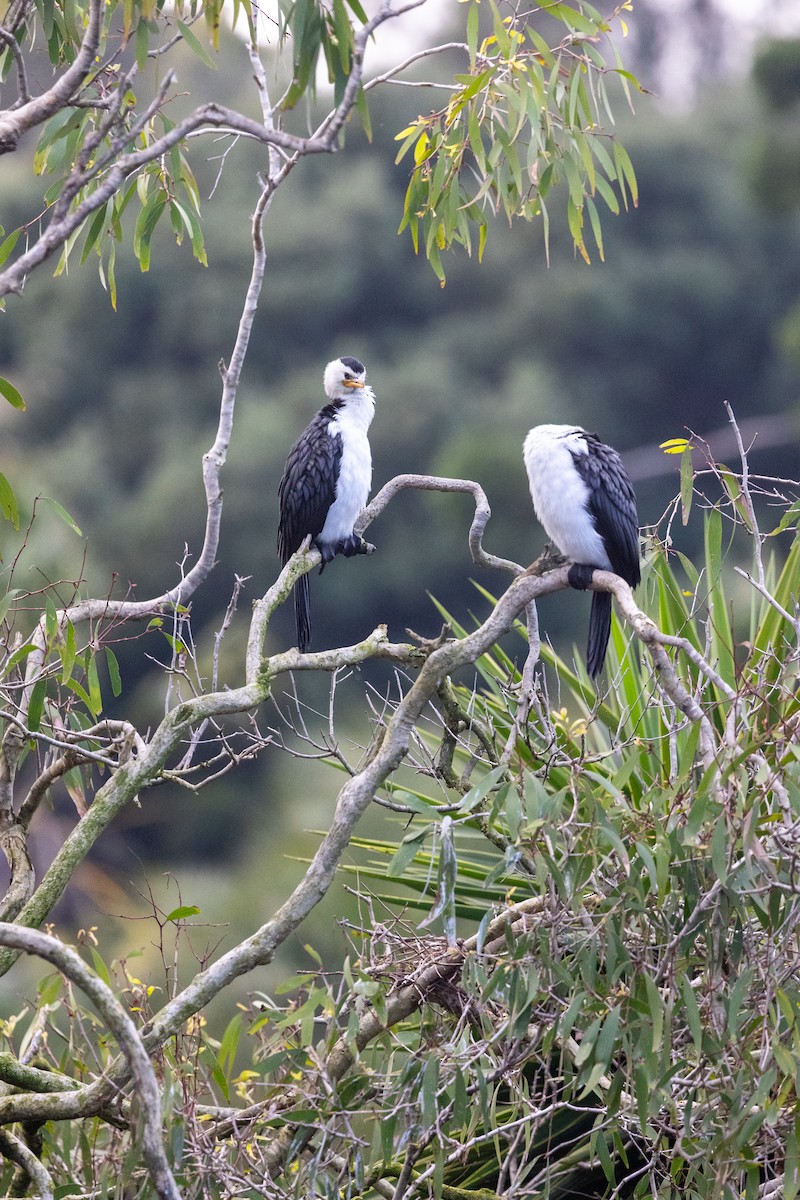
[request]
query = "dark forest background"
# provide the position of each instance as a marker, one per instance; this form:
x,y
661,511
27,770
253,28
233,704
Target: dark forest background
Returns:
x,y
698,302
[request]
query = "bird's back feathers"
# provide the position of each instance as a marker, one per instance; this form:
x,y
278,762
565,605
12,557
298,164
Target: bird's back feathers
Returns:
x,y
308,486
584,498
612,506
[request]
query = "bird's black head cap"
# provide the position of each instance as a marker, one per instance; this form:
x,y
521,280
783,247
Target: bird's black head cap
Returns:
x,y
353,365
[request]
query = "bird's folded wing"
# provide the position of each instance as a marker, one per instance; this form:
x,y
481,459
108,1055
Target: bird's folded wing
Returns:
x,y
308,487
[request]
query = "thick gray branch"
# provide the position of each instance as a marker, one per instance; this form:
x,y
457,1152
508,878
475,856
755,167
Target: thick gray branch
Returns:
x,y
23,95
16,121
32,1079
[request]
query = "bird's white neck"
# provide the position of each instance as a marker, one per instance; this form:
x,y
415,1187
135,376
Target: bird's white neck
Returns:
x,y
357,409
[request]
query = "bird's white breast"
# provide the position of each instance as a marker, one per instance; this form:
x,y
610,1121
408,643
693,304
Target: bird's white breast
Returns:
x,y
560,497
355,467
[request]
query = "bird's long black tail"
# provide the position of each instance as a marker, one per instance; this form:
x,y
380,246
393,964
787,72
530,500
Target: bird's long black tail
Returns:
x,y
302,613
599,632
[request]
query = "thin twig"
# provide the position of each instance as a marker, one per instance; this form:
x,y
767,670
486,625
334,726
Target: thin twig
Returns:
x,y
747,496
23,95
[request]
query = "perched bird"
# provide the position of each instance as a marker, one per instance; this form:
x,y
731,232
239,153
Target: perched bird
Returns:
x,y
585,501
327,478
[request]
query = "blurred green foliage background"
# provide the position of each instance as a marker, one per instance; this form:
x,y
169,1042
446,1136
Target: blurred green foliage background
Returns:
x,y
698,301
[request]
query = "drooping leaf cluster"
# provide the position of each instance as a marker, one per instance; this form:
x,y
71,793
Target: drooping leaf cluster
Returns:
x,y
530,109
530,113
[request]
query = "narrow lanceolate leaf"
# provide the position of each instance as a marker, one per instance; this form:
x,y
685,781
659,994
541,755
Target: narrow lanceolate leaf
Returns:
x,y
8,245
406,851
145,225
674,445
721,634
481,790
196,46
230,1042
692,1013
113,671
17,657
51,620
36,705
61,512
790,518
444,903
6,602
626,173
472,31
68,651
95,698
8,502
11,394
687,484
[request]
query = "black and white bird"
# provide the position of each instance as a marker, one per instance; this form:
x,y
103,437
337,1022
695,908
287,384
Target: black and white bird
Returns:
x,y
585,501
326,480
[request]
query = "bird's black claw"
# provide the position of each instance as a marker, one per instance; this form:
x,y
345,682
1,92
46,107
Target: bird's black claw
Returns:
x,y
328,552
580,576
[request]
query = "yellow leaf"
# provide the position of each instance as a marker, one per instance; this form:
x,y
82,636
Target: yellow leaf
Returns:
x,y
421,149
674,445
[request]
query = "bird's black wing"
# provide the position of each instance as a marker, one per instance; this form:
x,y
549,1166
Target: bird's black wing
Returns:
x,y
308,486
612,506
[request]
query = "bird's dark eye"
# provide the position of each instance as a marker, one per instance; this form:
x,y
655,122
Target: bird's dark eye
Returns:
x,y
347,375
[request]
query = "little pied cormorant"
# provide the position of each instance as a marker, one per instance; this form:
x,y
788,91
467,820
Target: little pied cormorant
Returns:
x,y
585,501
326,480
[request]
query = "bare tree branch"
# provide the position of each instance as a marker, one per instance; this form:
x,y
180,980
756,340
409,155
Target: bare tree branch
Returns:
x,y
23,95
393,72
434,483
31,1079
648,632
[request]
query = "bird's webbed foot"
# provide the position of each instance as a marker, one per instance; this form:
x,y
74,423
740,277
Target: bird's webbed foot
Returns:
x,y
580,576
355,545
548,560
348,546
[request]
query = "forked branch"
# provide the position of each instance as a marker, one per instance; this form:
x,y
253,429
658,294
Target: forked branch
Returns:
x,y
147,1092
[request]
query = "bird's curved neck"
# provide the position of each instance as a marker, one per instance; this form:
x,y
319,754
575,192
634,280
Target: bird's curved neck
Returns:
x,y
358,408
